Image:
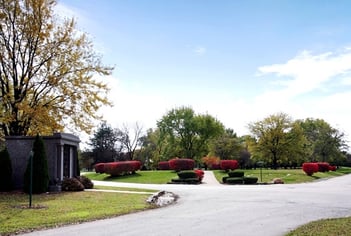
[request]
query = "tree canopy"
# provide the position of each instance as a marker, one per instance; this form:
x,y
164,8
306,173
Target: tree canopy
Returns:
x,y
103,143
326,143
276,139
189,132
47,70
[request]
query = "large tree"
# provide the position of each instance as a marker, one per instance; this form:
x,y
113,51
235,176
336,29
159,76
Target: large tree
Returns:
x,y
276,139
156,147
129,139
46,71
227,146
326,142
189,132
103,143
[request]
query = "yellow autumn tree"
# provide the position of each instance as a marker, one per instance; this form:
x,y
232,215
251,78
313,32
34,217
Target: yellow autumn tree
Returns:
x,y
47,70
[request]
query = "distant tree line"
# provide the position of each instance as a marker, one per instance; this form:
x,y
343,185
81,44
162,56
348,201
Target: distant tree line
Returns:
x,y
278,141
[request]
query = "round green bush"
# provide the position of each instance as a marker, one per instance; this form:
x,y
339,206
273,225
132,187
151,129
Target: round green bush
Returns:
x,y
72,184
236,174
250,180
234,180
187,174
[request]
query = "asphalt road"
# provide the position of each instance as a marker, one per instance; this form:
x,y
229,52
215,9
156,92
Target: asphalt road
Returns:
x,y
267,210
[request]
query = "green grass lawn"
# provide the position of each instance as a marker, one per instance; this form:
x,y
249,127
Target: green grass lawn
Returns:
x,y
51,210
125,189
327,227
141,177
289,176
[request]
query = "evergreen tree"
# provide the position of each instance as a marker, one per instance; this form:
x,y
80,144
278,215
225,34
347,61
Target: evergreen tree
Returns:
x,y
40,172
5,171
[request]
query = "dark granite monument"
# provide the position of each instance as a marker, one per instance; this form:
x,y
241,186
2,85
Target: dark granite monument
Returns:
x,y
61,151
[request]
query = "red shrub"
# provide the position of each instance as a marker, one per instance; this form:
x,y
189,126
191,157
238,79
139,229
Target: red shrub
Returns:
x,y
163,165
332,168
323,166
215,166
229,164
310,168
200,174
181,164
100,168
122,167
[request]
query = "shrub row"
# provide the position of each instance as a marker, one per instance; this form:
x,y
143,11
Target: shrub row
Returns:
x,y
163,165
181,164
177,164
229,164
313,167
118,168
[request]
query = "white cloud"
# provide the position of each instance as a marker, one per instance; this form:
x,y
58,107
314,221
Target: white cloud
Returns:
x,y
307,72
199,50
346,81
303,80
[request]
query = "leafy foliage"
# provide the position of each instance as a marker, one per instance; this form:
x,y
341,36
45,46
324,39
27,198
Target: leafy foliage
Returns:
x,y
210,161
5,171
46,71
40,172
310,168
188,132
226,146
326,143
277,139
163,165
181,164
103,144
118,168
229,164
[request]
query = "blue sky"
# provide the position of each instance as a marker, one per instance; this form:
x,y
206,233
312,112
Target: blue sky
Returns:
x,y
238,61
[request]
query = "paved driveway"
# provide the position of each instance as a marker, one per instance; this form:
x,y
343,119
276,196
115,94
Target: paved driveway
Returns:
x,y
228,210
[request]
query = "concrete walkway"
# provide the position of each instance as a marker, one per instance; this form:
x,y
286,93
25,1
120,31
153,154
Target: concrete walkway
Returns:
x,y
210,179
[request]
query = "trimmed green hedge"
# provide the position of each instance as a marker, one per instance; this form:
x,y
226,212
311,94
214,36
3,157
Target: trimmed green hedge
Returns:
x,y
250,180
188,181
234,180
187,174
236,174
